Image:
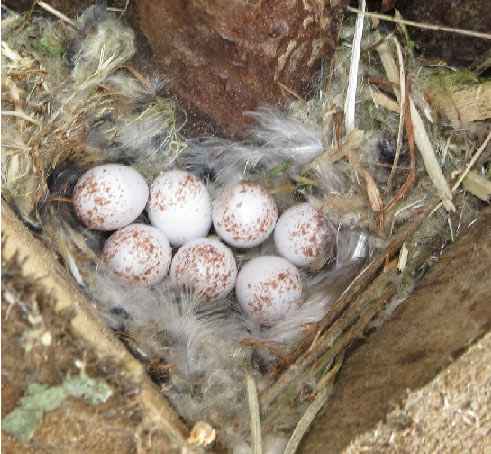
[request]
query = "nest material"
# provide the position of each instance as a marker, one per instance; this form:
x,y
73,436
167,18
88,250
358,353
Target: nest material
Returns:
x,y
65,113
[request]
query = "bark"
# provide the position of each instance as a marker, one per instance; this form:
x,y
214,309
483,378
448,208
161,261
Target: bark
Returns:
x,y
224,57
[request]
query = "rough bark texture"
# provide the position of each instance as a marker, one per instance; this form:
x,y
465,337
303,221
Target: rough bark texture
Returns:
x,y
225,57
448,310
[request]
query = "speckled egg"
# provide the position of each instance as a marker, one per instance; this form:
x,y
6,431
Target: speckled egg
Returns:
x,y
267,288
244,215
110,196
205,266
180,206
303,235
139,254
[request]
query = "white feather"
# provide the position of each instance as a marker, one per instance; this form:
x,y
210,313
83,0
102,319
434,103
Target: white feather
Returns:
x,y
277,141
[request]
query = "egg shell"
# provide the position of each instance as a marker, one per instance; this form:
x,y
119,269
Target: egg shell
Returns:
x,y
180,206
244,215
139,254
267,288
205,266
303,235
110,196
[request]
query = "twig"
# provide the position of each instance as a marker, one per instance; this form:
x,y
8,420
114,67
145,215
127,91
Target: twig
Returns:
x,y
329,377
424,25
58,14
383,83
255,415
270,346
472,162
381,99
306,420
22,115
350,102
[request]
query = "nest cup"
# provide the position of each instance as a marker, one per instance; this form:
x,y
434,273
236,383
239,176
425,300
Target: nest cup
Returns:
x,y
220,359
215,346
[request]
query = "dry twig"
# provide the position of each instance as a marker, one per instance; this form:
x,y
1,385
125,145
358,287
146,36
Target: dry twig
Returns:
x,y
47,7
469,166
411,23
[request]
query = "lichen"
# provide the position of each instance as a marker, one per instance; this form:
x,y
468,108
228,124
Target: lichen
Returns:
x,y
41,398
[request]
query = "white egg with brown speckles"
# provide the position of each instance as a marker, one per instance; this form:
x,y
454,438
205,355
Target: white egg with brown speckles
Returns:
x,y
139,254
206,266
244,215
267,288
304,236
180,206
110,196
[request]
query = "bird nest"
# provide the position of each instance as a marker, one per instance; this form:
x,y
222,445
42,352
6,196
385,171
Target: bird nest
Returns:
x,y
367,150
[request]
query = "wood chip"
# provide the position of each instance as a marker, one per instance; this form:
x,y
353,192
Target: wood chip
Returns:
x,y
374,197
381,99
202,434
401,263
477,185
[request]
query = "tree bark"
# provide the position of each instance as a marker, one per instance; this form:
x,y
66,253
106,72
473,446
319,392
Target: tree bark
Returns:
x,y
226,57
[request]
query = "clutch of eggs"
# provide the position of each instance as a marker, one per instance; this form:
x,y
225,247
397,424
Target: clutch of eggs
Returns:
x,y
110,196
244,215
139,254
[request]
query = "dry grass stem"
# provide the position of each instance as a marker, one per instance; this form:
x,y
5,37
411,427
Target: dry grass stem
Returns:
x,y
411,178
255,415
350,102
402,109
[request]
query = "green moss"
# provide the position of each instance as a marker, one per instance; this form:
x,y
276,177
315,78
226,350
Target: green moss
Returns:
x,y
49,46
450,81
